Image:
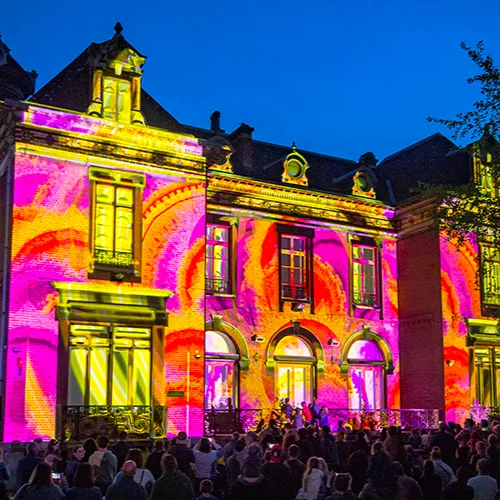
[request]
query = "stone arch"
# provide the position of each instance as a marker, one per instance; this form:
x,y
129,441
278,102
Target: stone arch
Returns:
x,y
298,331
218,325
366,334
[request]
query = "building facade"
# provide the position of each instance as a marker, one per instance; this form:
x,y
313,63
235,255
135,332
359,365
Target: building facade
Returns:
x,y
163,277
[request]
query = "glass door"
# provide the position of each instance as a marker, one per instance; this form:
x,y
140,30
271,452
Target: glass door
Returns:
x,y
294,382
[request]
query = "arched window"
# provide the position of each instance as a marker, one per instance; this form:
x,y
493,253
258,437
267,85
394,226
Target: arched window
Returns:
x,y
366,376
221,373
294,369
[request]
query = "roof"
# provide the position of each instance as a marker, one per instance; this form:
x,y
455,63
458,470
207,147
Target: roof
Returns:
x,y
434,160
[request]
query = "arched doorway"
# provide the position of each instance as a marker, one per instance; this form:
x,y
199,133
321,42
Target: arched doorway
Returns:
x,y
295,375
221,371
366,376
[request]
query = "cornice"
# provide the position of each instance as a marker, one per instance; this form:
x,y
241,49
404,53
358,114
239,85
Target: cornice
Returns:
x,y
273,198
416,216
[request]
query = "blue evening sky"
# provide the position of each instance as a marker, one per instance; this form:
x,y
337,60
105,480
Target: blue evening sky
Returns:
x,y
338,77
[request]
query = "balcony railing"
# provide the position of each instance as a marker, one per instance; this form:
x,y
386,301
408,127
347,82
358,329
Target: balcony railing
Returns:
x,y
297,292
255,419
139,422
218,285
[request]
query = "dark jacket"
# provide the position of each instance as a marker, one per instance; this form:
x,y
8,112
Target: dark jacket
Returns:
x,y
120,451
261,489
173,486
126,489
30,492
78,493
153,463
71,470
331,453
184,457
297,469
25,468
457,491
306,450
430,486
281,479
447,445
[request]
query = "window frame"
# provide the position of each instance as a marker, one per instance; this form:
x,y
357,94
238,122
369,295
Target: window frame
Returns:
x,y
307,234
366,242
117,178
475,376
117,80
216,221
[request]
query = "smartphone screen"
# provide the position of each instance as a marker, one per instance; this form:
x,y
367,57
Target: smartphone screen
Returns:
x,y
56,475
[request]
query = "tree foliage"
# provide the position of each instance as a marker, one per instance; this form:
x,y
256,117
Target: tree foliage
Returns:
x,y
472,211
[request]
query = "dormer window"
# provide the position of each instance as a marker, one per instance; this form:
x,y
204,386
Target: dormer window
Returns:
x,y
117,100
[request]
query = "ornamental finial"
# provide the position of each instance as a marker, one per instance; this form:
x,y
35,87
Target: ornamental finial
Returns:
x,y
294,147
118,29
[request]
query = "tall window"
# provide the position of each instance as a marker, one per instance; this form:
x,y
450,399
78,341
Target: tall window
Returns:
x,y
364,275
294,272
117,208
485,375
109,365
487,171
117,99
218,265
490,275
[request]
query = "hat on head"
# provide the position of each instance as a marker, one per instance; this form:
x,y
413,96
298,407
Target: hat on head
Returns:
x,y
275,453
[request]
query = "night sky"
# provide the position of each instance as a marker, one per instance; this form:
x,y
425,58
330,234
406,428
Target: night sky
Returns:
x,y
337,77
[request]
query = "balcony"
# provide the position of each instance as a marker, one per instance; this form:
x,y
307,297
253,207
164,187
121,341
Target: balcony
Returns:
x,y
294,292
218,285
243,420
77,423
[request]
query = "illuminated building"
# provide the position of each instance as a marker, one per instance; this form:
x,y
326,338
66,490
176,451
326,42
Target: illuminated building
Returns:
x,y
154,266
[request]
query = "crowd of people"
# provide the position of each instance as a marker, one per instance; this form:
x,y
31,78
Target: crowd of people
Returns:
x,y
281,463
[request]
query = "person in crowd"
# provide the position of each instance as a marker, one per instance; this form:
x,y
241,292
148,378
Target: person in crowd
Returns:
x,y
40,485
459,489
83,484
41,447
382,481
306,413
297,419
273,431
462,454
287,409
27,464
323,417
494,455
104,463
266,441
153,463
446,443
316,411
126,488
173,484
475,436
341,487
484,486
394,445
443,470
313,485
120,449
360,444
142,476
184,454
481,452
77,456
289,439
253,453
90,447
278,474
234,462
296,468
357,466
205,458
251,484
206,490
52,455
229,448
342,448
430,482
415,439
306,449
407,487
316,442
330,450
4,477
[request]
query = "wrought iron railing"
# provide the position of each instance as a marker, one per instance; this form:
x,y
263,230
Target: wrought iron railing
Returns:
x,y
218,285
140,422
255,419
298,292
238,420
405,418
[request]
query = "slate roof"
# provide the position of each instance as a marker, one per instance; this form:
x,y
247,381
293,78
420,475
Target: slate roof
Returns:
x,y
15,82
433,160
